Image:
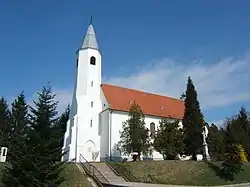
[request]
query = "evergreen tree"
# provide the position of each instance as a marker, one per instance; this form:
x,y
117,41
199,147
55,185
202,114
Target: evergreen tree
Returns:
x,y
238,129
192,121
16,174
232,165
5,122
61,125
216,142
45,141
244,122
168,140
64,119
134,135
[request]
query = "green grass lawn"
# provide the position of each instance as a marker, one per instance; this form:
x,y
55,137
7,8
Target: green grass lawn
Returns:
x,y
74,178
178,172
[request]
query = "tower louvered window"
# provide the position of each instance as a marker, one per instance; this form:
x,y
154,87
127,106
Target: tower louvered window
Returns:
x,y
92,60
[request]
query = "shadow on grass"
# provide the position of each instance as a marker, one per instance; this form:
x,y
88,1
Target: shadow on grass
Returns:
x,y
219,172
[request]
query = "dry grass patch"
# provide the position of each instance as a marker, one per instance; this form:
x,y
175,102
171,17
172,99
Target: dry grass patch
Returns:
x,y
177,172
73,176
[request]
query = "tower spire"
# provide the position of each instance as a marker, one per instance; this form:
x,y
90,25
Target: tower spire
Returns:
x,y
90,40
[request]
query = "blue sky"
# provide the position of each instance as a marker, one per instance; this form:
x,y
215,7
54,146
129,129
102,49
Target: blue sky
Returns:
x,y
148,45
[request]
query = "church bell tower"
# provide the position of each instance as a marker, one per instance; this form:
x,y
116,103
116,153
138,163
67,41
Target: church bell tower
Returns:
x,y
81,137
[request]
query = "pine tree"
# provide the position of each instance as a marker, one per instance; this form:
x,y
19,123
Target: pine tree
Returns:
x,y
45,141
168,140
5,122
134,135
61,125
64,119
216,142
192,121
244,122
232,165
16,174
238,128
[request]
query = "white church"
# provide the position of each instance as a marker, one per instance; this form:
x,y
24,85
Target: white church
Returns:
x,y
98,110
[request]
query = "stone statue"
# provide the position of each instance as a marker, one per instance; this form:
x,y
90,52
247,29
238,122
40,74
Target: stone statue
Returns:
x,y
204,133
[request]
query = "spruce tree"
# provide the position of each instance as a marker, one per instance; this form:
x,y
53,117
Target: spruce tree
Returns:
x,y
45,141
192,121
168,140
244,122
216,142
61,126
134,135
232,164
5,122
18,155
238,129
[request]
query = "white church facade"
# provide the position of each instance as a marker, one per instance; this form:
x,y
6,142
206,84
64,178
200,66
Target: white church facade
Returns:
x,y
99,110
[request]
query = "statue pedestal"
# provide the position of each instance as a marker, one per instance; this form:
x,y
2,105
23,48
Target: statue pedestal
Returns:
x,y
206,156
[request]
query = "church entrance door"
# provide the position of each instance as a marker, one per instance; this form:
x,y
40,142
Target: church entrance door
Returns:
x,y
90,147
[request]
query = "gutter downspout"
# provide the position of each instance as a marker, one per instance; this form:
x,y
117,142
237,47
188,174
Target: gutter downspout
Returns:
x,y
110,130
76,139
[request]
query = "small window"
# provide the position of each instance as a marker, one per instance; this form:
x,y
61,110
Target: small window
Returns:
x,y
77,63
92,103
92,60
92,83
152,130
91,123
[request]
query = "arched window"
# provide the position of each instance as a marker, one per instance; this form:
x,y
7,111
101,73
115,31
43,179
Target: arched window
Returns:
x,y
92,60
92,103
152,130
91,123
92,83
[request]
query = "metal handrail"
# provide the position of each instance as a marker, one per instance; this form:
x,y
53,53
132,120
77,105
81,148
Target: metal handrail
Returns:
x,y
109,159
93,171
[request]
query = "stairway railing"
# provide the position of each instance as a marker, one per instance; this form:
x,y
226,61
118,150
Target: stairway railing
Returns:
x,y
93,171
109,159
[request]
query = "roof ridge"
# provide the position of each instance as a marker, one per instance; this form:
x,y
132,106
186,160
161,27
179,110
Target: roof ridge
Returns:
x,y
140,91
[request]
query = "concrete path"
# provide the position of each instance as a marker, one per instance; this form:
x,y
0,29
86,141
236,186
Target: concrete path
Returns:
x,y
108,173
134,184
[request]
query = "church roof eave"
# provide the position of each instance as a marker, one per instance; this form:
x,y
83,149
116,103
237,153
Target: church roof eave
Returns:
x,y
151,104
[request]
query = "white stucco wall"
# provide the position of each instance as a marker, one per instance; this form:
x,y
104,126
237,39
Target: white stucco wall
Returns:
x,y
82,136
117,118
104,132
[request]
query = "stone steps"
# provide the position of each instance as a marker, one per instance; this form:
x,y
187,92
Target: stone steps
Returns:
x,y
108,173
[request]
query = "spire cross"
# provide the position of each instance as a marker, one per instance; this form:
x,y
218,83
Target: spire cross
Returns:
x,y
90,20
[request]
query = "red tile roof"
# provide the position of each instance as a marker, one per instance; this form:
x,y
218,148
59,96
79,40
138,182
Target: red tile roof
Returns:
x,y
151,104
